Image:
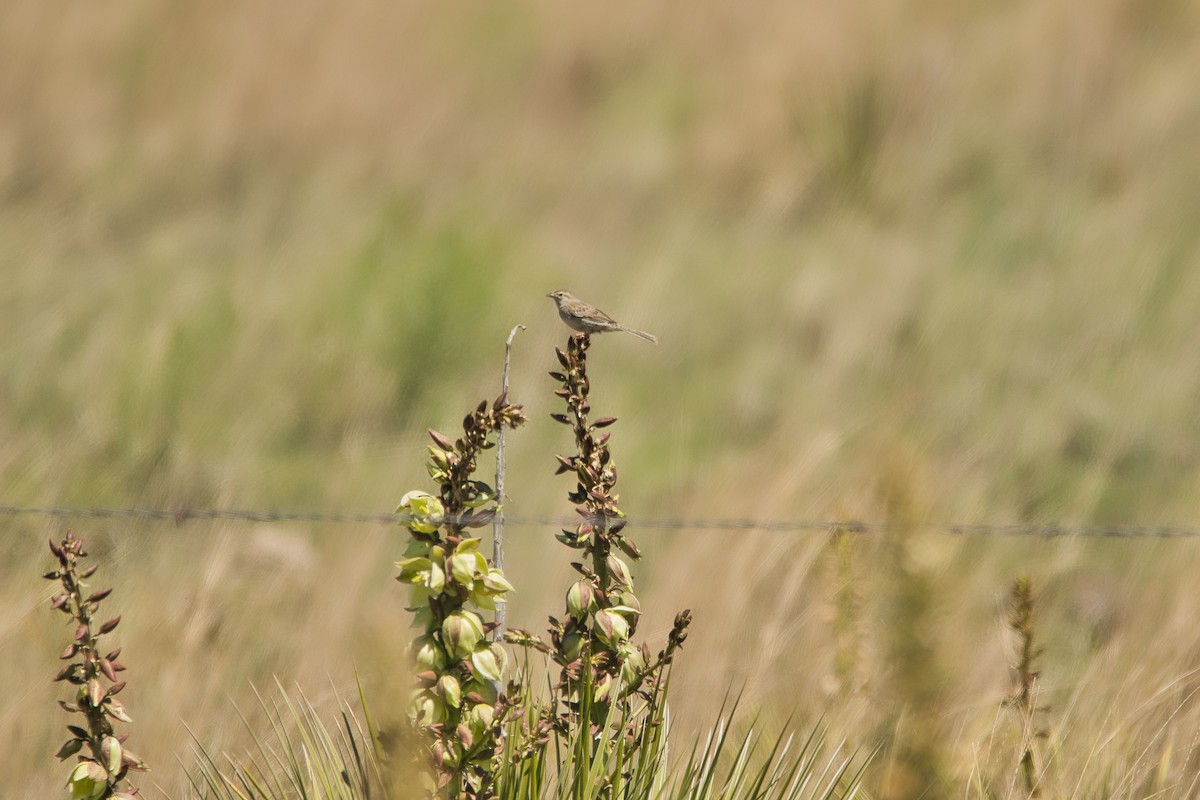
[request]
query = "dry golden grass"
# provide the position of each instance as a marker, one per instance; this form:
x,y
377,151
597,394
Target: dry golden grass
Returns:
x,y
252,250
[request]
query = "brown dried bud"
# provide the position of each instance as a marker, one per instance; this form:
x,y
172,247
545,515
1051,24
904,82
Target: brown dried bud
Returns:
x,y
110,624
441,440
69,748
629,547
113,708
100,595
132,761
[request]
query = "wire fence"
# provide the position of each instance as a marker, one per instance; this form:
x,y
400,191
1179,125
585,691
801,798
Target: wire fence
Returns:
x,y
181,516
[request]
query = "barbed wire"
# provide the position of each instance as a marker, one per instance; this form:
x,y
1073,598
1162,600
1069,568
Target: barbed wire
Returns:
x,y
181,516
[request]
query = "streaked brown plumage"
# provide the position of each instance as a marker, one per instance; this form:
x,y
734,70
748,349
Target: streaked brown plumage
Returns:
x,y
586,318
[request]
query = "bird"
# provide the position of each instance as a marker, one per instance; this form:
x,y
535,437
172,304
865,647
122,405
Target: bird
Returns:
x,y
586,318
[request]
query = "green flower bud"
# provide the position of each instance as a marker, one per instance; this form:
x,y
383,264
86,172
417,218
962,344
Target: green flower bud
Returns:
x,y
572,646
439,457
612,627
632,663
465,566
88,781
110,749
619,571
481,716
450,690
581,599
430,657
426,709
490,662
436,580
488,690
461,632
468,563
496,583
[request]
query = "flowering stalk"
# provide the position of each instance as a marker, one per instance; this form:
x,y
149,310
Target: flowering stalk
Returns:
x,y
459,704
101,771
602,609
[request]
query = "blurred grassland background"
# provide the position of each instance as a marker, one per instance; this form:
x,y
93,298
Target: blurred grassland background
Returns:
x,y
927,261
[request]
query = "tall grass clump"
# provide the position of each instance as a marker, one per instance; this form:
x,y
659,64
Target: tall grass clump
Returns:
x,y
302,756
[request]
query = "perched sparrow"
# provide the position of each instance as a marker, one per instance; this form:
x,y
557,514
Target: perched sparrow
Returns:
x,y
588,319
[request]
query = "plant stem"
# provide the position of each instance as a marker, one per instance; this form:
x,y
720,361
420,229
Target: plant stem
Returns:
x,y
498,520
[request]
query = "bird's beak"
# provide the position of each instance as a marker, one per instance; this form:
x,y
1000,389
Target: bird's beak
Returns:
x,y
551,295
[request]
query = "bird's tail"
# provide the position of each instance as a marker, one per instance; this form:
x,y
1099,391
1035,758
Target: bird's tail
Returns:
x,y
649,337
